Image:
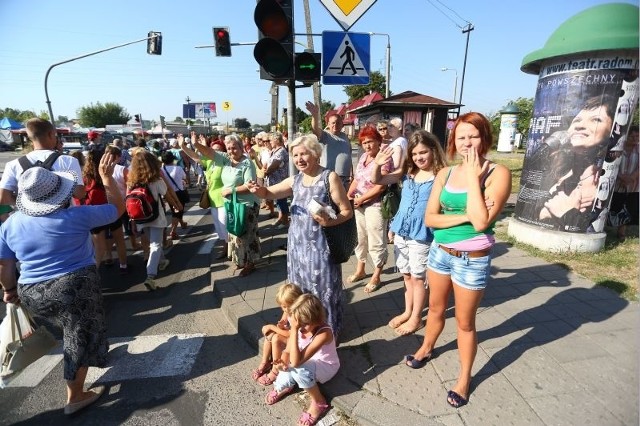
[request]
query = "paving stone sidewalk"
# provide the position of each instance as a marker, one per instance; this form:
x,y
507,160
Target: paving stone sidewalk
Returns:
x,y
553,348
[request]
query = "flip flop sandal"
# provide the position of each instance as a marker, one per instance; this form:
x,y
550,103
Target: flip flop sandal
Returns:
x,y
355,278
267,379
371,287
455,400
415,363
274,396
307,419
260,371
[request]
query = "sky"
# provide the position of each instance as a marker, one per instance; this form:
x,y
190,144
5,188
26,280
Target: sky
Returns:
x,y
425,36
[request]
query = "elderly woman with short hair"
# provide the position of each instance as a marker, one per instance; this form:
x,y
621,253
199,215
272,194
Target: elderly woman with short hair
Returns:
x,y
308,262
237,171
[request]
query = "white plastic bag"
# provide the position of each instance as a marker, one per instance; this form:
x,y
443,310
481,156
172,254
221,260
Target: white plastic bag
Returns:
x,y
7,335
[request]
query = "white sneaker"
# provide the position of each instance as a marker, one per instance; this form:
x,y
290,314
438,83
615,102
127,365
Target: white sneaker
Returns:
x,y
150,284
163,264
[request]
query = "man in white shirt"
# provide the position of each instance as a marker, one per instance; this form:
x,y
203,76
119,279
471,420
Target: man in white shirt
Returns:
x,y
44,138
336,152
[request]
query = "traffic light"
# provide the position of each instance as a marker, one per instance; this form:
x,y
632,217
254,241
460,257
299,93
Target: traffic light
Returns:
x,y
274,50
137,117
154,43
222,41
307,67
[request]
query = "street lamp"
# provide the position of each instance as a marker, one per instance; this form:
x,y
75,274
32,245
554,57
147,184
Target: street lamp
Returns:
x,y
388,57
455,84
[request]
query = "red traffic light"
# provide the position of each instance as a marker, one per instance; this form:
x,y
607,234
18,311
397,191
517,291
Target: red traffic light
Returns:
x,y
274,50
222,41
272,20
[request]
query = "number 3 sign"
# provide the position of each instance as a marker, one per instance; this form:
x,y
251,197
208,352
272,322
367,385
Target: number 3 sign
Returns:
x,y
226,106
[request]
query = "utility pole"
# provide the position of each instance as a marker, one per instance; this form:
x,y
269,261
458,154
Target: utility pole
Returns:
x,y
466,30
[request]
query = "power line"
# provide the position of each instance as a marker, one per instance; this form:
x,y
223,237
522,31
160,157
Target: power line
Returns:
x,y
446,15
456,13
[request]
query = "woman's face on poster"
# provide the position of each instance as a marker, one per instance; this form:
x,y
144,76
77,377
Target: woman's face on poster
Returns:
x,y
590,127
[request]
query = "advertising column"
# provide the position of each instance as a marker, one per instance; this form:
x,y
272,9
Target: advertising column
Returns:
x,y
586,95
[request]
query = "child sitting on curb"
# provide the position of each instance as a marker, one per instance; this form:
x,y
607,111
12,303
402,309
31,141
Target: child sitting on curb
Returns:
x,y
275,336
309,358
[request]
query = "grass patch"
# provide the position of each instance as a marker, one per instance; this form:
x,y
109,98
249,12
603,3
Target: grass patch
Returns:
x,y
614,267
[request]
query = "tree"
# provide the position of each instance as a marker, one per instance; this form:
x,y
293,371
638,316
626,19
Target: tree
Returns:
x,y
525,105
300,115
241,123
100,115
16,114
62,119
377,83
178,120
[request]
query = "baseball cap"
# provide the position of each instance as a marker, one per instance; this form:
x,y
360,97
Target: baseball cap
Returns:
x,y
92,135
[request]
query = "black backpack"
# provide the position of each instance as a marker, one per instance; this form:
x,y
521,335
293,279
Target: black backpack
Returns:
x,y
47,164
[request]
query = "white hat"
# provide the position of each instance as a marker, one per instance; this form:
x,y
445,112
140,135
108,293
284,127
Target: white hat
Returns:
x,y
42,192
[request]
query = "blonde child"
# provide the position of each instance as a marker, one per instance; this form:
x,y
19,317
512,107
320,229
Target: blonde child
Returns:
x,y
275,335
309,358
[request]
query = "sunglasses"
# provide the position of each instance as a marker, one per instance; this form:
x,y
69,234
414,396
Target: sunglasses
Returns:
x,y
382,128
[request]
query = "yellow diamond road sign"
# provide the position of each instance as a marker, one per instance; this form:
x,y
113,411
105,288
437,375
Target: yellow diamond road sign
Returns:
x,y
347,12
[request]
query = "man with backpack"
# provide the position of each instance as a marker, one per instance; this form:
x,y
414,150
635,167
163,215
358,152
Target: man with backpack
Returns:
x,y
44,138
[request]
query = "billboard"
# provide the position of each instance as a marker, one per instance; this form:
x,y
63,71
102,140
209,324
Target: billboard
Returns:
x,y
582,112
199,110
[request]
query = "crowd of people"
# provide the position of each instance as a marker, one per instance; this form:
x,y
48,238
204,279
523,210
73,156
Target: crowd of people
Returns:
x,y
442,233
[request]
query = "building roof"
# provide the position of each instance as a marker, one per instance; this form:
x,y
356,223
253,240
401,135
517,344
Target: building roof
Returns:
x,y
410,98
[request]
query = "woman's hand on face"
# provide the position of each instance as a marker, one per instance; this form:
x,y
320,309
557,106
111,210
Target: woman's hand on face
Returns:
x,y
202,140
472,164
383,156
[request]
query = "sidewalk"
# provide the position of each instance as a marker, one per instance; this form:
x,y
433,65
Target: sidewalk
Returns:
x,y
553,349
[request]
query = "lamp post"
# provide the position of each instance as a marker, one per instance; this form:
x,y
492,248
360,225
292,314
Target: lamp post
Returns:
x,y
388,60
188,100
455,84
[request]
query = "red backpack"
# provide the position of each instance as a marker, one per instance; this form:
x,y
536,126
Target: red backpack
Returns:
x,y
140,204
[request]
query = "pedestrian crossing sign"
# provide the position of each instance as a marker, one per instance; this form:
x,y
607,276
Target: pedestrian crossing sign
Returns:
x,y
345,58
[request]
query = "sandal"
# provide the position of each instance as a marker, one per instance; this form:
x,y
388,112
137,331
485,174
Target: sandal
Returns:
x,y
174,236
455,399
267,379
372,286
260,371
248,268
307,419
355,278
274,396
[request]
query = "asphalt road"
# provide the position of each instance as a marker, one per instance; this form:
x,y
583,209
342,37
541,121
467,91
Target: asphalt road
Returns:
x,y
174,358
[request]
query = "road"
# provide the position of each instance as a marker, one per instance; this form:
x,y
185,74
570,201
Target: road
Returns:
x,y
174,357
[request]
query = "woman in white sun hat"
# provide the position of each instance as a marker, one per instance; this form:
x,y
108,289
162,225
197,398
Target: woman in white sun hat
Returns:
x,y
58,275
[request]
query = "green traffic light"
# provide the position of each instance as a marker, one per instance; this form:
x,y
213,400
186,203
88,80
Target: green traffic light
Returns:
x,y
308,66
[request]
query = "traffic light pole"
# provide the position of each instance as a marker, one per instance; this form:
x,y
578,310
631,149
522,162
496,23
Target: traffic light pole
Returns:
x,y
291,121
46,76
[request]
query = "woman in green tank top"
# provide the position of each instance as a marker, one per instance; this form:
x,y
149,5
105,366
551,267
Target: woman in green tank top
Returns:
x,y
464,203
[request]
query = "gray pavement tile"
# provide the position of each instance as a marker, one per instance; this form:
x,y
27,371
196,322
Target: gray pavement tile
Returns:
x,y
419,389
575,408
501,336
356,364
547,331
373,410
617,341
532,371
573,348
613,381
495,401
602,325
490,317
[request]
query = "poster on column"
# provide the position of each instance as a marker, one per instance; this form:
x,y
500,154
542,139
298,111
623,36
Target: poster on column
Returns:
x,y
582,112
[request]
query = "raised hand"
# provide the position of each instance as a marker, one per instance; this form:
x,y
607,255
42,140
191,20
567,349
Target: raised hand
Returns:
x,y
106,166
383,156
311,107
474,165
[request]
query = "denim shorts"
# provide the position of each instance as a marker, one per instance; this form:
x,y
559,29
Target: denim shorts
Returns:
x,y
411,256
467,272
